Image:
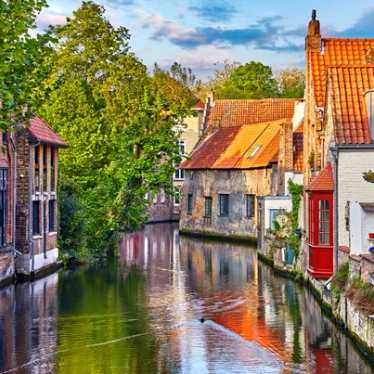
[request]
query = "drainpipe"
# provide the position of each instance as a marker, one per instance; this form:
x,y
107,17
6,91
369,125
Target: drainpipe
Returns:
x,y
31,243
335,154
14,192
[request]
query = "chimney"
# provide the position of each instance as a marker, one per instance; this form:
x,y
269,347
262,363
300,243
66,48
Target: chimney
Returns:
x,y
313,37
285,155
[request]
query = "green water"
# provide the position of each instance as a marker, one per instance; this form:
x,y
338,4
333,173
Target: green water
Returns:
x,y
143,314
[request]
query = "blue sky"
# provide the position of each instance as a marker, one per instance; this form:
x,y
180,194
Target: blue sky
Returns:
x,y
203,34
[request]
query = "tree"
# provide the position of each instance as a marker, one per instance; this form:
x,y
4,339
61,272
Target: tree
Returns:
x,y
215,84
250,81
175,87
291,83
120,130
21,56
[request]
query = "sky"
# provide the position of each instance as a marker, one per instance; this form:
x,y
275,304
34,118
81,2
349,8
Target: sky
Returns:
x,y
203,34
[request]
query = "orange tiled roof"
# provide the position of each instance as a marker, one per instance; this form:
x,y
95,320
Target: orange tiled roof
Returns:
x,y
335,52
241,147
347,86
324,181
40,130
233,113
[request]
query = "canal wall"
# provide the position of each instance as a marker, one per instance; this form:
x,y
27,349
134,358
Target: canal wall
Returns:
x,y
359,326
352,321
6,267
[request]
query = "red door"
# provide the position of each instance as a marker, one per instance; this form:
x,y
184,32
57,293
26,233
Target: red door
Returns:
x,y
321,234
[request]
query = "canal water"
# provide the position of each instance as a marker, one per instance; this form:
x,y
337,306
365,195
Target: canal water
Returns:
x,y
170,304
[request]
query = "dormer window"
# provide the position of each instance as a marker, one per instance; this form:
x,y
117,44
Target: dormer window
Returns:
x,y
369,98
255,150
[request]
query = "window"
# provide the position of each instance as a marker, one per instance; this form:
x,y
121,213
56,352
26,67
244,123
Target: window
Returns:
x,y
224,205
179,174
324,222
208,207
45,173
189,203
52,215
250,205
182,147
5,137
36,217
36,169
255,150
177,197
162,196
53,177
3,205
273,215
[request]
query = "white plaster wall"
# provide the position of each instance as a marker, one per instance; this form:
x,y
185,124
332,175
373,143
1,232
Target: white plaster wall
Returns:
x,y
298,115
355,219
352,187
40,261
270,203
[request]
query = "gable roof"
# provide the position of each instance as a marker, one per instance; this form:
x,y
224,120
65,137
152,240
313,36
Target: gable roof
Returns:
x,y
336,52
324,181
348,86
238,112
344,68
39,130
241,147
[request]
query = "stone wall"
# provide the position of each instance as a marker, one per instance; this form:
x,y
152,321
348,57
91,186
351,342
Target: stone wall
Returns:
x,y
161,208
236,183
6,266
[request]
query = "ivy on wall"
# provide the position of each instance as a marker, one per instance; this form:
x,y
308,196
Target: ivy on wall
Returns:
x,y
296,192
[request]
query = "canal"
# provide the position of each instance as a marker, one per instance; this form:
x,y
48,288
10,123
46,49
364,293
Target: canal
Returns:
x,y
170,304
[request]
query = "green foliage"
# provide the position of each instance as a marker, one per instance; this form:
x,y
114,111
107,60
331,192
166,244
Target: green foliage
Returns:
x,y
175,86
296,192
120,128
291,83
250,81
362,294
21,59
340,278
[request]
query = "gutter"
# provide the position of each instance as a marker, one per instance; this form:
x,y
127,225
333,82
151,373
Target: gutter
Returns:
x,y
335,155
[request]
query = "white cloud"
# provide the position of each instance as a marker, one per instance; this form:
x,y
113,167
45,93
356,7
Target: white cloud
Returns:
x,y
48,17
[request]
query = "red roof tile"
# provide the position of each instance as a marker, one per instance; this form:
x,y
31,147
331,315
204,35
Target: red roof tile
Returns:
x,y
241,147
39,130
199,105
324,181
348,86
336,52
232,113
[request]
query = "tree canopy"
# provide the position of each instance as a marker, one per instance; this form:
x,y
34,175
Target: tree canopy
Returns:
x,y
21,56
253,80
122,134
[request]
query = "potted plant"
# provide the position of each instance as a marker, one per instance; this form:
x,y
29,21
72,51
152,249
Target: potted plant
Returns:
x,y
368,176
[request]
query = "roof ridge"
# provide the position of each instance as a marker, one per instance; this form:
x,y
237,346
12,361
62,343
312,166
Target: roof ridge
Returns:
x,y
333,38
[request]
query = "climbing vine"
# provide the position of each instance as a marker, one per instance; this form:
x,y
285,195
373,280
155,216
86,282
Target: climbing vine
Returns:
x,y
296,191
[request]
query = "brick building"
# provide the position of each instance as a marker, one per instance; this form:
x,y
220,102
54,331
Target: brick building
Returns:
x,y
36,202
235,163
338,149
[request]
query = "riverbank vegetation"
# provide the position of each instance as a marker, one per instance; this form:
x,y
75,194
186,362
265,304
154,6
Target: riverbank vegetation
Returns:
x,y
121,121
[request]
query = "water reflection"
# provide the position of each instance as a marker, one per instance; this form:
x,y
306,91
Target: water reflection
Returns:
x,y
142,315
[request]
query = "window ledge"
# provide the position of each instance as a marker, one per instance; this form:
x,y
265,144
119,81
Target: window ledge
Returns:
x,y
37,236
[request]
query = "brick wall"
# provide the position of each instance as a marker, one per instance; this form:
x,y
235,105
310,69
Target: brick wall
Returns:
x,y
23,198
